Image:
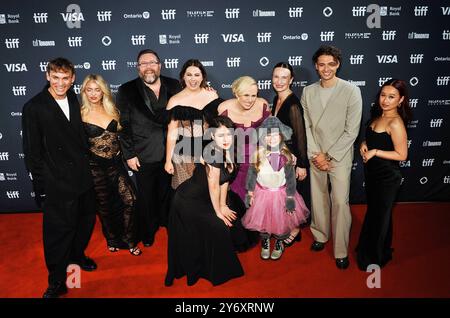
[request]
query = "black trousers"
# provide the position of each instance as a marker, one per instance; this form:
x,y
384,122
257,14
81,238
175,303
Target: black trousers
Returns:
x,y
153,199
67,229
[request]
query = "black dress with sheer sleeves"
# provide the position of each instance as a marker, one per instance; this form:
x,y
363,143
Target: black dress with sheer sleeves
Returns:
x,y
114,189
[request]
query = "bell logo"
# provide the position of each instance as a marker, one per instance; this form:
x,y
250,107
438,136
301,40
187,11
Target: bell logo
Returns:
x,y
18,67
233,38
387,59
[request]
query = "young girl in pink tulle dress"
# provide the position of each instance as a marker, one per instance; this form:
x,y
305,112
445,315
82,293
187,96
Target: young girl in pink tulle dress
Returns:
x,y
275,207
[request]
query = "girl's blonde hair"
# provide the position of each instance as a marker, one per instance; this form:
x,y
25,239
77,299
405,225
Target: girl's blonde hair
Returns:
x,y
241,84
262,152
107,100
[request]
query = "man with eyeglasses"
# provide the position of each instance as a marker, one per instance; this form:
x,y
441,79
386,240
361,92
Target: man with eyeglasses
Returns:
x,y
141,102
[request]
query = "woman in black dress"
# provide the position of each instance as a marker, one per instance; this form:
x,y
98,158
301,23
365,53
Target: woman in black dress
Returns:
x,y
287,107
384,147
200,243
115,193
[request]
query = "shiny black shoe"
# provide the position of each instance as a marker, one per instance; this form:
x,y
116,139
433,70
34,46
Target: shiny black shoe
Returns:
x,y
342,263
86,264
55,290
317,246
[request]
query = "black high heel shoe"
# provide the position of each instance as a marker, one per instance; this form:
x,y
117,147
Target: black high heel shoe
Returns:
x,y
292,239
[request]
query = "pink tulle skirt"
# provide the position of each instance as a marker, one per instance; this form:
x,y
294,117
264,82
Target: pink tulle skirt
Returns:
x,y
268,212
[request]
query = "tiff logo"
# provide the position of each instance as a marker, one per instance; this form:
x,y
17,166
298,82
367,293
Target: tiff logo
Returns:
x,y
383,80
409,142
73,16
19,90
138,39
40,17
446,35
43,66
295,60
233,61
74,41
427,162
359,11
445,10
356,59
170,63
264,84
442,80
201,38
420,11
389,35
295,12
232,13
4,156
17,67
12,194
12,43
326,36
446,179
77,88
104,16
109,65
416,58
168,14
436,122
413,102
264,36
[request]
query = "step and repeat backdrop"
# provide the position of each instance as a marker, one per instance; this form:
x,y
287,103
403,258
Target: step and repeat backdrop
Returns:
x,y
409,40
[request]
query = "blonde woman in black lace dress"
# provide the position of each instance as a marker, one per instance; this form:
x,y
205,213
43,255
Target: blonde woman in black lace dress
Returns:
x,y
114,190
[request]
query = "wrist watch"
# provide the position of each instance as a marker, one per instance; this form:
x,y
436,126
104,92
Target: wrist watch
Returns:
x,y
328,157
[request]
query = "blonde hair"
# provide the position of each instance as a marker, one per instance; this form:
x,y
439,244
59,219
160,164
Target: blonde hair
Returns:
x,y
262,152
107,100
241,84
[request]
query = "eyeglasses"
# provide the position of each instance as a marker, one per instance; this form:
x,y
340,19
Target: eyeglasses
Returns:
x,y
149,63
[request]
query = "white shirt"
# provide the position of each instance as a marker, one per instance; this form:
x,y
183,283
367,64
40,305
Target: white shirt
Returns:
x,y
64,104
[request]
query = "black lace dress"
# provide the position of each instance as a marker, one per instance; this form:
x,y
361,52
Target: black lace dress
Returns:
x,y
114,189
200,244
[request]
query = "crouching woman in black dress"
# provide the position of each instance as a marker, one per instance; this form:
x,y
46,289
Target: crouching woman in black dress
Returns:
x,y
200,243
384,147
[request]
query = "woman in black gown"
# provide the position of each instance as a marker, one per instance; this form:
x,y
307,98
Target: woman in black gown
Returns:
x,y
384,147
200,243
114,190
287,108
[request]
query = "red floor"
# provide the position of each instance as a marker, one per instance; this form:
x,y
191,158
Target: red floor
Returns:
x,y
420,267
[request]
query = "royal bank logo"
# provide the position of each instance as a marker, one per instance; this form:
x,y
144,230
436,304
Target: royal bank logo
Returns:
x,y
442,80
200,14
387,59
413,102
359,11
4,156
357,35
40,17
446,35
13,194
73,16
295,12
416,58
201,38
19,90
264,37
2,18
262,14
2,176
391,11
356,59
38,42
9,18
388,35
326,36
418,36
104,16
233,37
232,13
75,41
8,176
169,39
233,62
168,14
138,39
170,63
420,11
436,122
295,60
12,43
383,80
16,67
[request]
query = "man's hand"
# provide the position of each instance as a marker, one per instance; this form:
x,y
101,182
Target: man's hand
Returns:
x,y
320,162
133,163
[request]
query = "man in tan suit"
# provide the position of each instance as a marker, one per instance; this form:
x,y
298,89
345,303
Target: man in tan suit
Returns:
x,y
332,111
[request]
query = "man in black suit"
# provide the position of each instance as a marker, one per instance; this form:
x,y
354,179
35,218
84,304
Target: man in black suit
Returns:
x,y
56,154
142,102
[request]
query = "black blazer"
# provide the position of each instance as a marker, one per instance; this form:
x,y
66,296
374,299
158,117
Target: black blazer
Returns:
x,y
56,150
143,129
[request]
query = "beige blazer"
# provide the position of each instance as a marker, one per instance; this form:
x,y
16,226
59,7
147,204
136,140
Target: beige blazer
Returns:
x,y
332,130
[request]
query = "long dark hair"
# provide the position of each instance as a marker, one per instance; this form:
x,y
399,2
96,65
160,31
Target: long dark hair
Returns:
x,y
198,64
403,109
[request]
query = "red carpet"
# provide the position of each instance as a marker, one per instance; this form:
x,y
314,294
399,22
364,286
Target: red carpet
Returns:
x,y
420,267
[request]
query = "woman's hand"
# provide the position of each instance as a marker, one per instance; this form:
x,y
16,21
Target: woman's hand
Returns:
x,y
229,214
300,173
363,148
168,166
369,154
